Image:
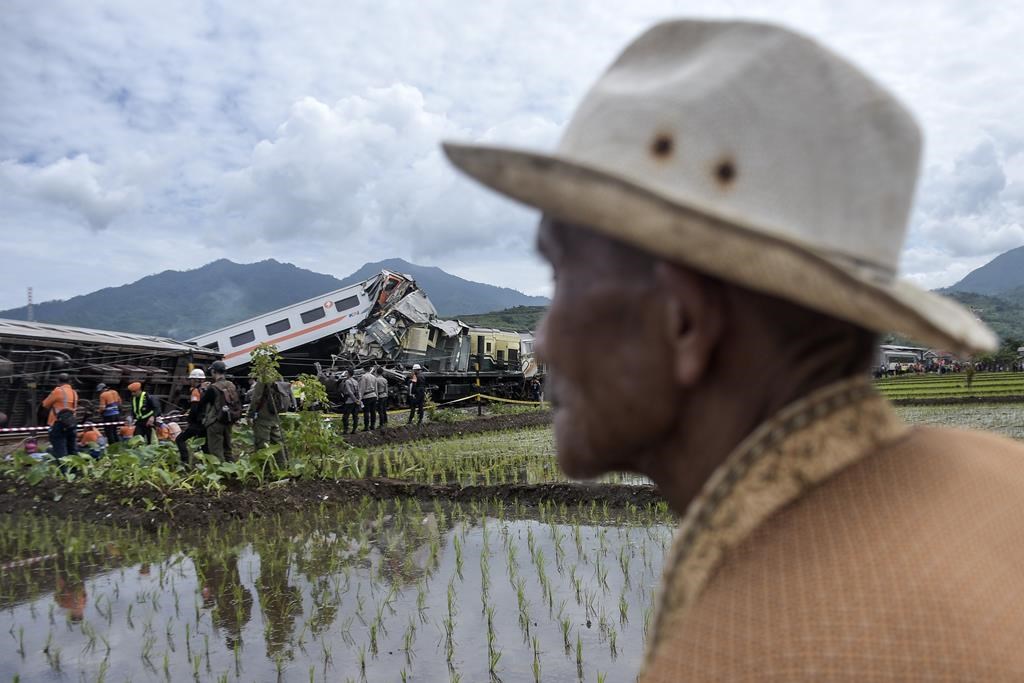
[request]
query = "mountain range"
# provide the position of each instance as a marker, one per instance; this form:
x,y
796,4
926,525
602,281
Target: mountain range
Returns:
x,y
182,304
995,292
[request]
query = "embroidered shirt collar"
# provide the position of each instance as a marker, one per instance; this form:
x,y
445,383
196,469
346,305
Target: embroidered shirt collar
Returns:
x,y
802,445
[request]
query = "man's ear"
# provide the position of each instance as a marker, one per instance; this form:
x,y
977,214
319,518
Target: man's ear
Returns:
x,y
694,317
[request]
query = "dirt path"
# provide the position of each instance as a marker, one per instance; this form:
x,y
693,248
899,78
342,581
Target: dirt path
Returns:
x,y
437,430
184,509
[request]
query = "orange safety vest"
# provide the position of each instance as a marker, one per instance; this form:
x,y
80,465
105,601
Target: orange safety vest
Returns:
x,y
58,400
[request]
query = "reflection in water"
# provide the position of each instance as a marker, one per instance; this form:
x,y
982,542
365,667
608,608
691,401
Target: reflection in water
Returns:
x,y
280,601
396,590
70,589
222,590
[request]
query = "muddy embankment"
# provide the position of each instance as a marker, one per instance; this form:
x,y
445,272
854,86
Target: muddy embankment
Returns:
x,y
437,430
183,509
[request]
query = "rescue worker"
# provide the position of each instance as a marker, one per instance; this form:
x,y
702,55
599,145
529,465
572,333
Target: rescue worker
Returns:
x,y
167,431
194,428
332,383
268,402
216,408
382,398
353,403
91,440
62,404
368,392
110,412
145,410
417,393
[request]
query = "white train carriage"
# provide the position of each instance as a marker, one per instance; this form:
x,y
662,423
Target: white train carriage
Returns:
x,y
298,324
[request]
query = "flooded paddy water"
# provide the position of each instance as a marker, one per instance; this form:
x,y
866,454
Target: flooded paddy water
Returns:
x,y
376,591
456,559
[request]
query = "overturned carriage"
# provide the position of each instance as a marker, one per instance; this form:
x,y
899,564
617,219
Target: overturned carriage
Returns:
x,y
33,355
386,321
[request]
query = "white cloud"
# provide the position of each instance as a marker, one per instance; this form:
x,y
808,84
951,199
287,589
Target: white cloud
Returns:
x,y
368,170
79,184
969,212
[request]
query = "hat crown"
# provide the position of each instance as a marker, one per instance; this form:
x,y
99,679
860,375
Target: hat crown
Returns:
x,y
759,126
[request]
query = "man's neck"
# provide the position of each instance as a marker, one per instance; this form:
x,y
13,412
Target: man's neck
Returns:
x,y
725,415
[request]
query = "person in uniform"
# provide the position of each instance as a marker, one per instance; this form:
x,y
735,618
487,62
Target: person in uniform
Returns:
x,y
145,411
268,402
382,397
417,393
724,215
353,402
368,392
214,407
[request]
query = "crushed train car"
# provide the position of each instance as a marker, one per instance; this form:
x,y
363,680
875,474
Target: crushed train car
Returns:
x,y
386,320
33,354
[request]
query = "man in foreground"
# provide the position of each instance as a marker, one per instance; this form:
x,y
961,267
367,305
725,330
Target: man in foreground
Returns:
x,y
723,216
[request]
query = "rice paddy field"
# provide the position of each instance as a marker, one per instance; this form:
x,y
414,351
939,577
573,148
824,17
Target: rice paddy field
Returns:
x,y
420,588
933,386
372,591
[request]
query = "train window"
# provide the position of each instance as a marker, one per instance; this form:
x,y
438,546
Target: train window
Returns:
x,y
315,314
501,356
488,347
279,327
212,345
243,338
346,303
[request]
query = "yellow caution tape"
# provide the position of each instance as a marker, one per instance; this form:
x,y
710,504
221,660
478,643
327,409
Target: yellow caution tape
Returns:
x,y
491,398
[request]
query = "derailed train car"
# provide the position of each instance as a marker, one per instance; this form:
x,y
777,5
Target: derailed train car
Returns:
x,y
386,320
32,355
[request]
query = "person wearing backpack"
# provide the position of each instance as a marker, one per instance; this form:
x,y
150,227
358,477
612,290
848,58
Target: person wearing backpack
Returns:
x,y
145,410
62,404
269,400
221,408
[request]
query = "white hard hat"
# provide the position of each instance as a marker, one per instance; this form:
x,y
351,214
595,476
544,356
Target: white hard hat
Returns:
x,y
197,374
416,366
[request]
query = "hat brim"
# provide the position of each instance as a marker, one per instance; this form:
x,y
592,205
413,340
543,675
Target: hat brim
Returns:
x,y
727,249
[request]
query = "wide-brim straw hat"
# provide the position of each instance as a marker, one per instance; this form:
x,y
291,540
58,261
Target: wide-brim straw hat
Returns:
x,y
751,153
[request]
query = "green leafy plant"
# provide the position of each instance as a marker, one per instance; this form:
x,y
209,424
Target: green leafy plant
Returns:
x,y
265,363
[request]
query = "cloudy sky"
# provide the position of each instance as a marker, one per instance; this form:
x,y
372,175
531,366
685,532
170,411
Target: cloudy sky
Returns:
x,y
137,137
